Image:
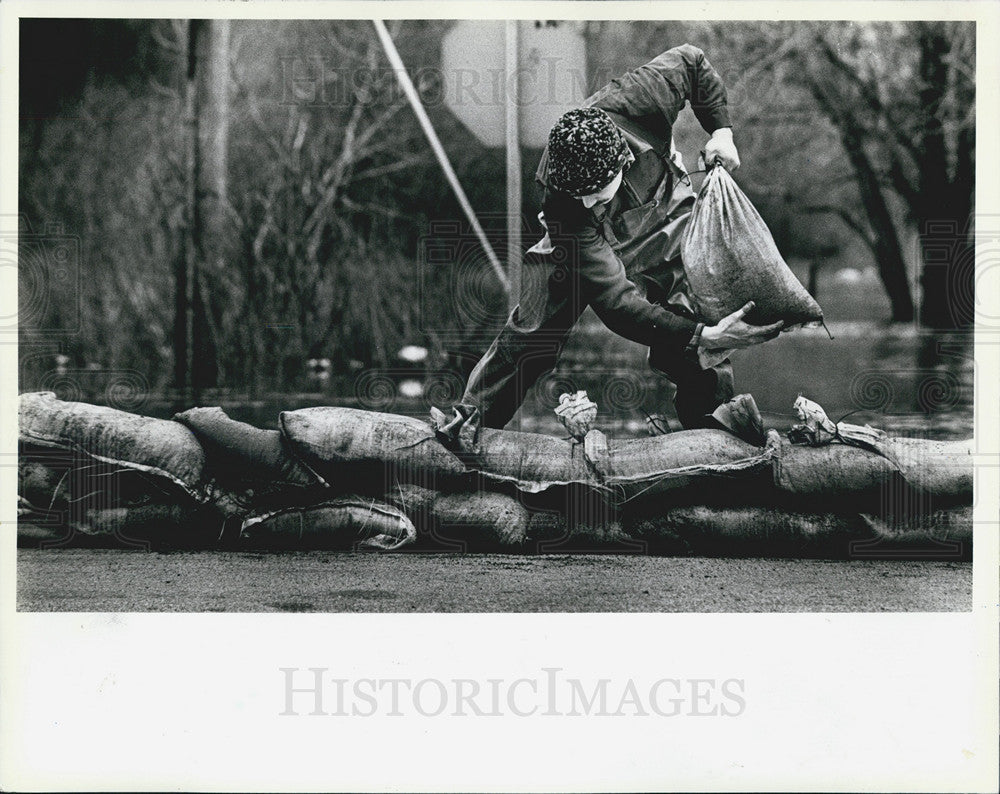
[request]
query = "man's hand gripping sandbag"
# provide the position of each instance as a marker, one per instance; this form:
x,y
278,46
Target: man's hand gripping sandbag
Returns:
x,y
730,260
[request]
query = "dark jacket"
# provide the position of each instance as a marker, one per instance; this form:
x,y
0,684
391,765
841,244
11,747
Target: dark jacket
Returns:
x,y
610,240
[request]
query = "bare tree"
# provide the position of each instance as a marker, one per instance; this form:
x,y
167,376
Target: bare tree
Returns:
x,y
902,98
313,282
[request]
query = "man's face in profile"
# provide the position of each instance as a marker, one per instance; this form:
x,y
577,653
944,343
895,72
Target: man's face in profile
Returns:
x,y
604,195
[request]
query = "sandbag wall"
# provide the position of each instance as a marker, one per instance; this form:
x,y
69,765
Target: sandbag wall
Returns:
x,y
341,478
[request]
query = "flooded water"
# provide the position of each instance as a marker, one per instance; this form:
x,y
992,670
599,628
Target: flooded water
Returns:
x,y
898,378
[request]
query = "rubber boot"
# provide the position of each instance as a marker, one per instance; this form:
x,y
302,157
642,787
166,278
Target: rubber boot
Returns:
x,y
459,432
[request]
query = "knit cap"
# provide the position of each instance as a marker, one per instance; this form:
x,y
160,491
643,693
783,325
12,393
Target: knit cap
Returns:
x,y
586,151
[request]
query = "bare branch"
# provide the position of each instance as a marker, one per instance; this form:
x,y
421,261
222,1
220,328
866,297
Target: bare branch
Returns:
x,y
345,52
389,168
870,94
300,135
764,65
847,217
333,179
269,137
163,90
172,46
369,207
379,124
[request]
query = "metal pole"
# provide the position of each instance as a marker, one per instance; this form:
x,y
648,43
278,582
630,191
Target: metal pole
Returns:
x,y
411,94
513,101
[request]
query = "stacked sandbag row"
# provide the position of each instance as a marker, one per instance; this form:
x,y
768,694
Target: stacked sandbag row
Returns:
x,y
365,447
96,476
89,474
343,478
700,491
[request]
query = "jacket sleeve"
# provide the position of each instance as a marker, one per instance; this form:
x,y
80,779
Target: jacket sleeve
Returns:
x,y
661,87
618,301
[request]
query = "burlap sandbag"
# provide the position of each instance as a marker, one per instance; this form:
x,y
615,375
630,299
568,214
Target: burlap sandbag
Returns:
x,y
464,521
370,450
730,258
694,461
943,468
43,483
342,523
622,468
775,532
383,448
69,498
35,532
158,447
932,534
241,452
481,520
70,481
938,468
155,525
743,531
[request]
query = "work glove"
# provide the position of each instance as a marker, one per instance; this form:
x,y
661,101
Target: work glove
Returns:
x,y
720,148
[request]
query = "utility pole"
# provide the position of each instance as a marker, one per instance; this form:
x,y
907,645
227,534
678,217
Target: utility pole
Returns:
x,y
513,100
206,117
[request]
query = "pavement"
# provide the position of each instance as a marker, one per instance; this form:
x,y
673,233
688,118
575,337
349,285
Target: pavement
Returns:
x,y
100,580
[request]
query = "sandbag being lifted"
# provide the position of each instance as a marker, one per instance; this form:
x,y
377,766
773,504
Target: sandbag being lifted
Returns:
x,y
730,259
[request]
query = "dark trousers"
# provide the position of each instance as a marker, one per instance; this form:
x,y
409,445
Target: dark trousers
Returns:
x,y
536,331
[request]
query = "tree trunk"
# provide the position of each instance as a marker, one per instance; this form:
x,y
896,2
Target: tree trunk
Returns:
x,y
185,265
196,339
944,211
888,253
885,241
